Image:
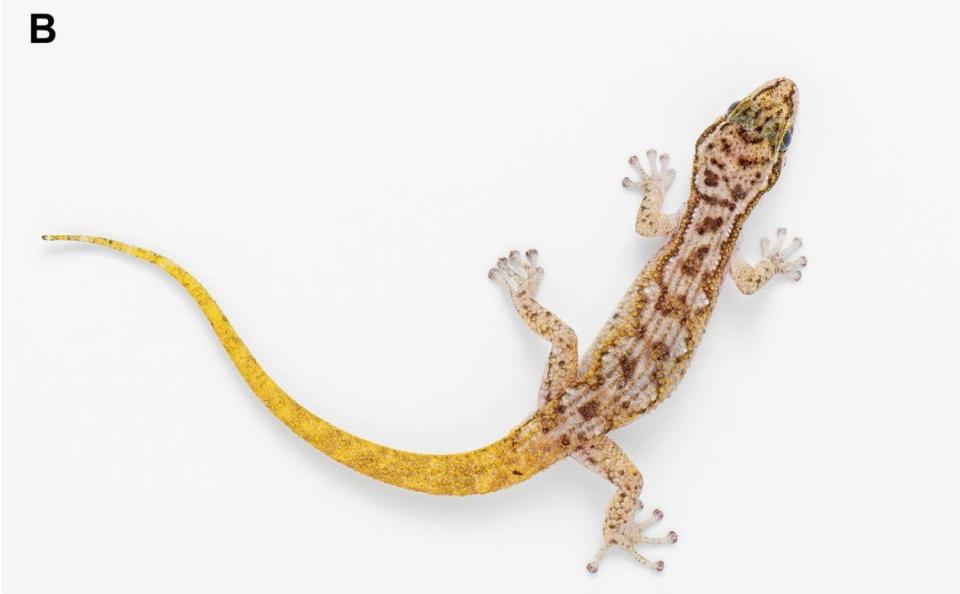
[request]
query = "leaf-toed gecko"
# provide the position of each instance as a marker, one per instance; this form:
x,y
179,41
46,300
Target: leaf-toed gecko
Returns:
x,y
635,362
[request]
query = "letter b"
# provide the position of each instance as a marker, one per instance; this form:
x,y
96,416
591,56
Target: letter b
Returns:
x,y
42,23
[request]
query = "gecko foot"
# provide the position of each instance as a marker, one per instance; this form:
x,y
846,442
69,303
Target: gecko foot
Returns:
x,y
629,535
518,275
779,256
660,176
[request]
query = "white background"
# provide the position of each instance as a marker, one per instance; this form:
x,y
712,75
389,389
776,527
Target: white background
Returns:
x,y
342,175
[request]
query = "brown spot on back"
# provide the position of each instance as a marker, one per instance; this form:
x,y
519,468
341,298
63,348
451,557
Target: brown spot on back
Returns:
x,y
659,351
640,331
709,225
713,201
738,193
627,366
565,439
710,178
672,305
694,261
589,410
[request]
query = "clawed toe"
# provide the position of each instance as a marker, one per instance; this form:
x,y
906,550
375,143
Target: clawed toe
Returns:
x,y
658,174
780,255
655,517
518,274
793,267
628,536
670,538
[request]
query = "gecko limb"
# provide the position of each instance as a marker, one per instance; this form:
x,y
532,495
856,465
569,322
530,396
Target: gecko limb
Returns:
x,y
749,278
651,221
603,456
521,276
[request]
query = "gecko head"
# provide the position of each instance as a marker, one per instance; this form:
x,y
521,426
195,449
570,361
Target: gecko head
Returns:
x,y
767,114
739,157
763,120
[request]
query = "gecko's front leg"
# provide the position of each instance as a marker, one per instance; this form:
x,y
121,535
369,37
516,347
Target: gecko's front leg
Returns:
x,y
651,221
776,261
521,277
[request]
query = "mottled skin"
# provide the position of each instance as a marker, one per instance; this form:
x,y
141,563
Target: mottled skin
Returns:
x,y
634,363
645,347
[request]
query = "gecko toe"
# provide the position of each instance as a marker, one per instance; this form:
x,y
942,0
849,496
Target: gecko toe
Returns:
x,y
657,172
630,534
518,274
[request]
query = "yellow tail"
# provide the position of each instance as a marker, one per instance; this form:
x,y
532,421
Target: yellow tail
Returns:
x,y
515,458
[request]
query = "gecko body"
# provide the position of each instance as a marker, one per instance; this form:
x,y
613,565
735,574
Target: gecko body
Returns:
x,y
633,364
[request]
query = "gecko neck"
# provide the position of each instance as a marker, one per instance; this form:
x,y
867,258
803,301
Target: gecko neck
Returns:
x,y
703,243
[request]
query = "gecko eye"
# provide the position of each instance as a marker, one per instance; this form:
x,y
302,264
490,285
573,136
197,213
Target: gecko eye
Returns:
x,y
785,143
732,107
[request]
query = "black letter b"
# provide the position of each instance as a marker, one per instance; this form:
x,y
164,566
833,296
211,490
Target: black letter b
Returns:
x,y
42,22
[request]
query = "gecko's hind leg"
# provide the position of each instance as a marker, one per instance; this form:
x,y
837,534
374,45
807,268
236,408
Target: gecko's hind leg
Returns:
x,y
653,185
603,456
521,276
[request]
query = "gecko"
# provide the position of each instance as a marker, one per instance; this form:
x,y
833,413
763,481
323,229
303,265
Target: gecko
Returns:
x,y
634,363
